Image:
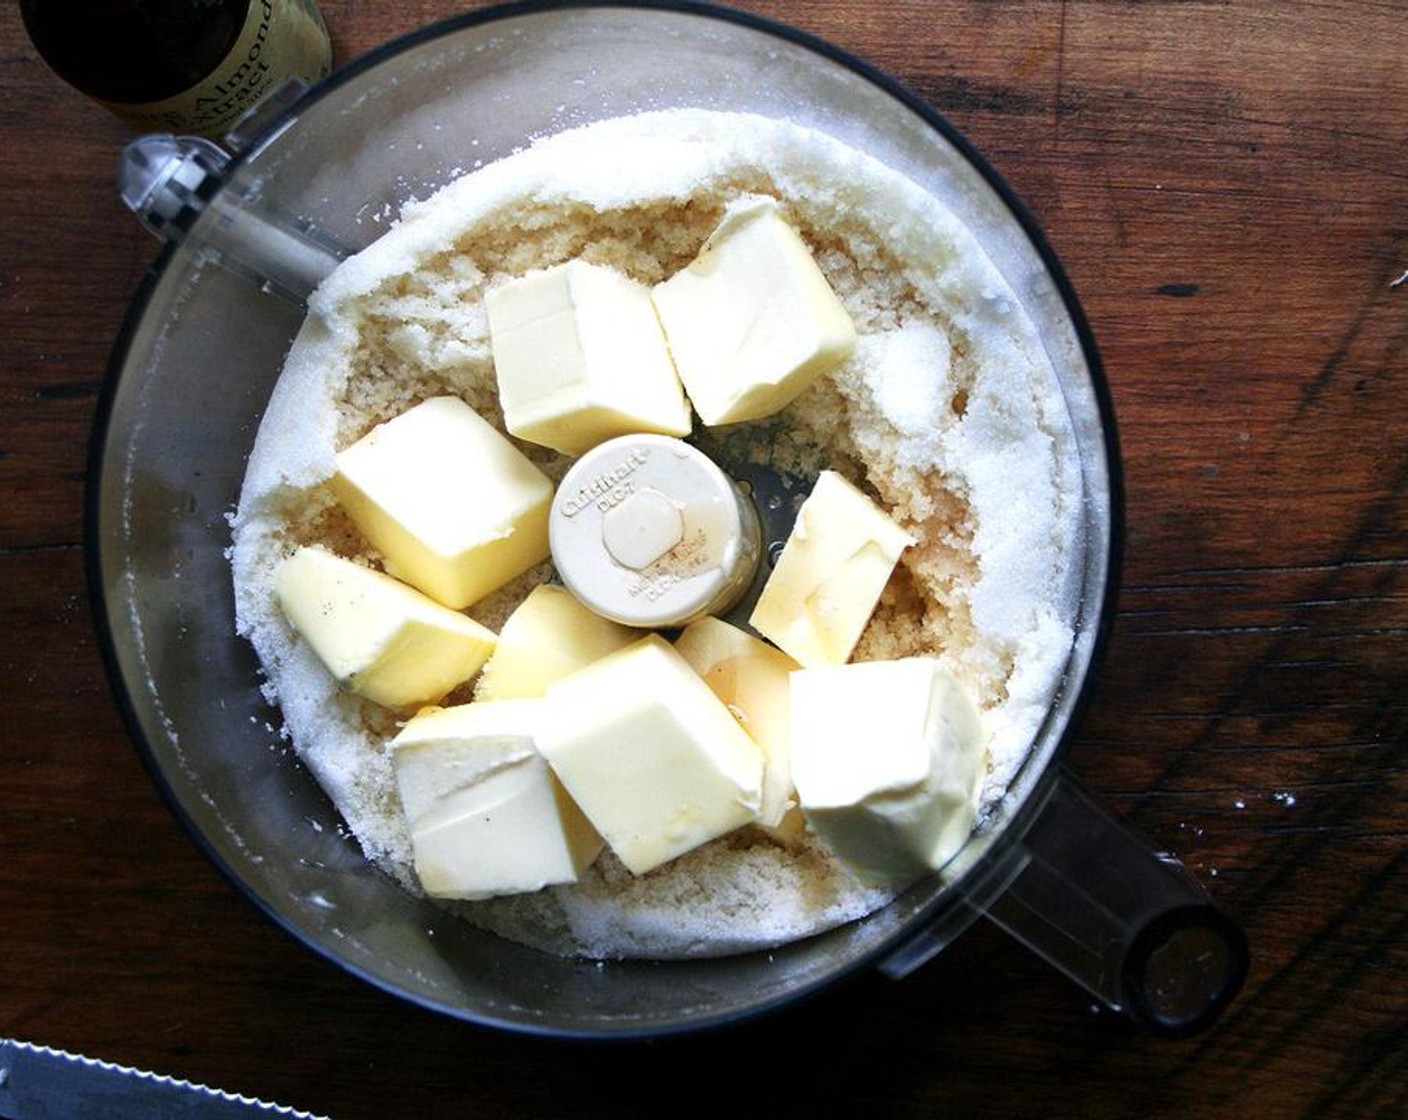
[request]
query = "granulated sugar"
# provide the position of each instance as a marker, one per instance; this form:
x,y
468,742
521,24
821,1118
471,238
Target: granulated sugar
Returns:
x,y
948,414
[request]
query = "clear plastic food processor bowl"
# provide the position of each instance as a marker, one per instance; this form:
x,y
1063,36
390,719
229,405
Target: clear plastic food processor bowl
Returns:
x,y
253,229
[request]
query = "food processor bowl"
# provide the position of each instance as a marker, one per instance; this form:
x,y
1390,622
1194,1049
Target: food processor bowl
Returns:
x,y
197,359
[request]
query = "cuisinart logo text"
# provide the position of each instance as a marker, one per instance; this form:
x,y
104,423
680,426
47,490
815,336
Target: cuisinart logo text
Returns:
x,y
611,487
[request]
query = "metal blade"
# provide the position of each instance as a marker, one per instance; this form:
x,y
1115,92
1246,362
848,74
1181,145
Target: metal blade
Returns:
x,y
41,1083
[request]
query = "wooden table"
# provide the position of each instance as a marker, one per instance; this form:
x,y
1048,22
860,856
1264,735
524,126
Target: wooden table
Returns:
x,y
1228,189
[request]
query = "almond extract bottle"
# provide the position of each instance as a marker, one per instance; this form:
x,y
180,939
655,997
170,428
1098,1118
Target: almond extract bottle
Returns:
x,y
193,67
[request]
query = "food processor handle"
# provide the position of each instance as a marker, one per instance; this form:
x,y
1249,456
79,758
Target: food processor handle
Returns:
x,y
1130,926
178,187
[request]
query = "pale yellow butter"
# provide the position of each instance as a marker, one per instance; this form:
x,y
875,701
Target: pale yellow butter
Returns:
x,y
486,815
580,358
378,637
752,321
455,509
752,679
549,635
830,574
888,758
656,761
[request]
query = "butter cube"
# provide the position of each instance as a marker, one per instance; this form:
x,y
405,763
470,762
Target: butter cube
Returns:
x,y
378,637
752,321
654,759
580,358
548,635
888,757
751,677
486,815
835,564
452,505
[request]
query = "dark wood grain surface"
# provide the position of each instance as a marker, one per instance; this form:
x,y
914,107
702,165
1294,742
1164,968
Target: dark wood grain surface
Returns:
x,y
1227,186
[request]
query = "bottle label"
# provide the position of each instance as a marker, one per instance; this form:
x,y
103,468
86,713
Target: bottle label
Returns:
x,y
281,39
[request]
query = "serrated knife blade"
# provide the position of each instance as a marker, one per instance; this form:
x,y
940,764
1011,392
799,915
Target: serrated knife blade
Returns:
x,y
42,1083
